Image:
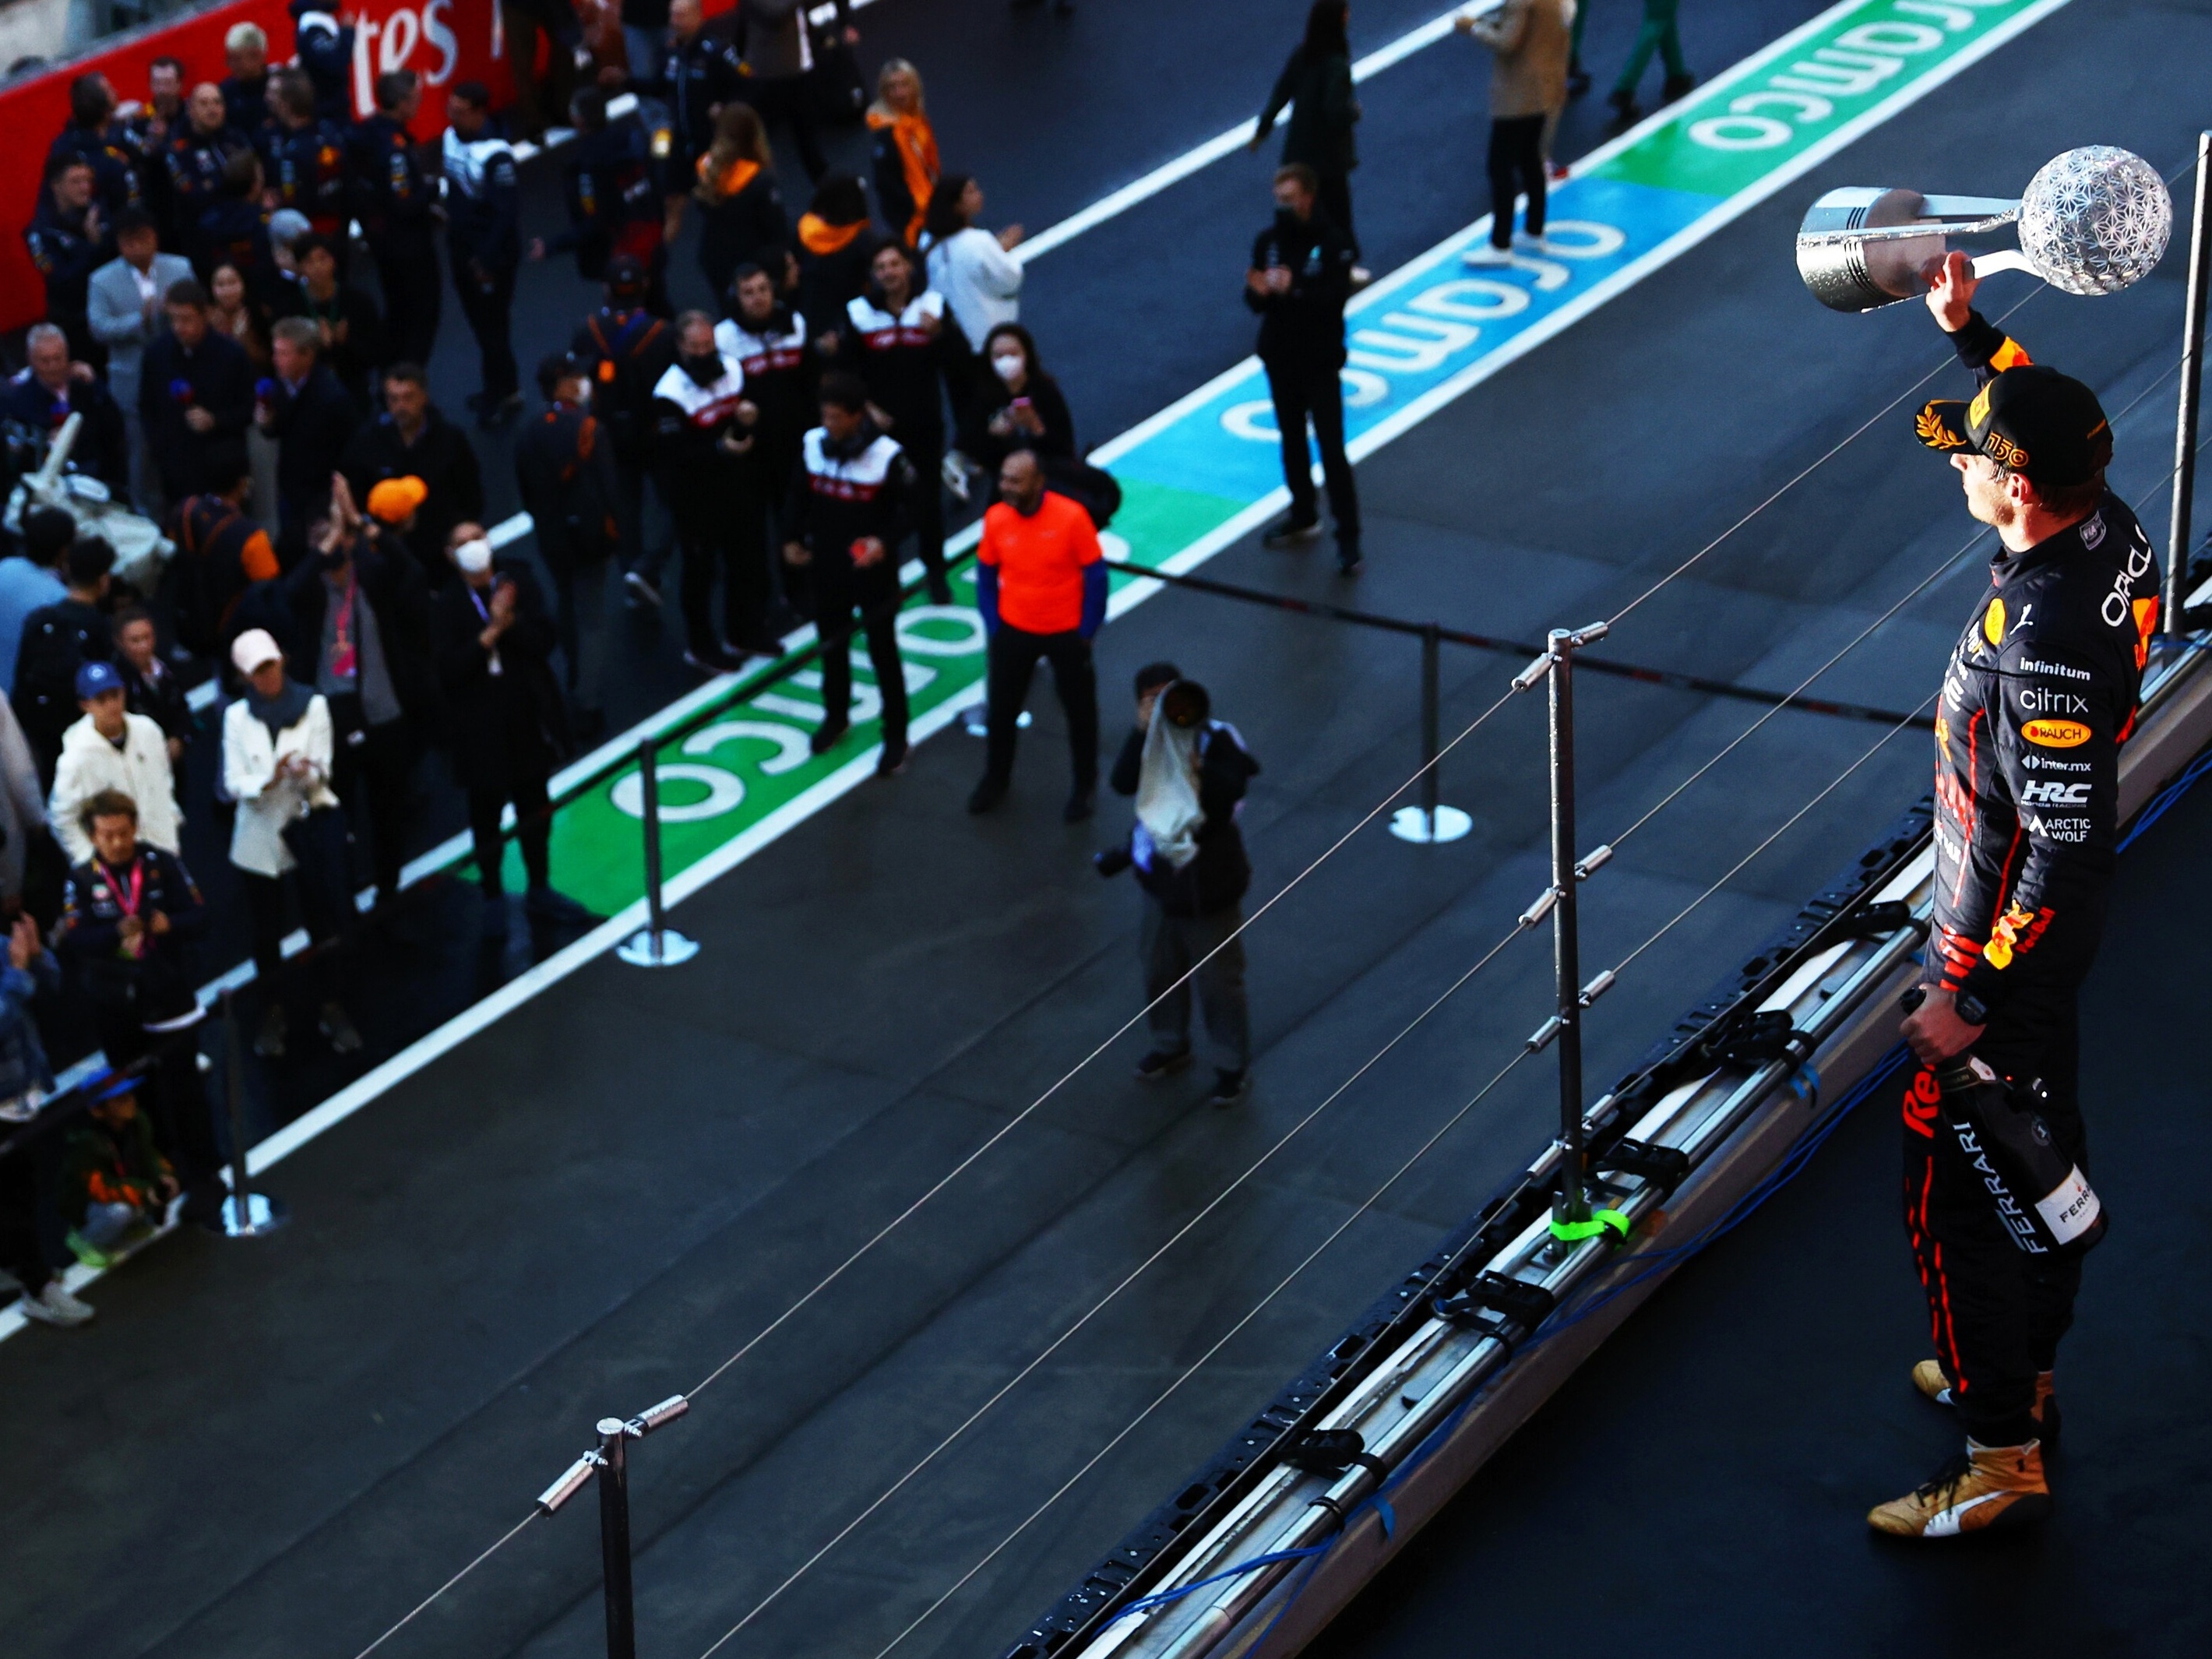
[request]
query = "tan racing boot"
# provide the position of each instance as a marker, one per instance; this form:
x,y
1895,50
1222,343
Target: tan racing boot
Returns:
x,y
1927,1378
1985,1488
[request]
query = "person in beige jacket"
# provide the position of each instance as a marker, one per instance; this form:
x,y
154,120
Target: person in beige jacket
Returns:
x,y
1530,42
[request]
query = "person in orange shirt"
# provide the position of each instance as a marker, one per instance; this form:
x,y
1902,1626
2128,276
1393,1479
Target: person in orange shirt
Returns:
x,y
905,150
1041,586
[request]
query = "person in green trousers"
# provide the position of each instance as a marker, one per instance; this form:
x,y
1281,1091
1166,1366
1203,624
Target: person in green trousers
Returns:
x,y
1659,32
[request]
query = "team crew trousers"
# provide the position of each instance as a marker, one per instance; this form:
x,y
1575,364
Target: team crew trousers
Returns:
x,y
1012,662
1516,165
1309,389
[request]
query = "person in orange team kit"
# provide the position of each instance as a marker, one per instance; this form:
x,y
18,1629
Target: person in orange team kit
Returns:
x,y
1041,586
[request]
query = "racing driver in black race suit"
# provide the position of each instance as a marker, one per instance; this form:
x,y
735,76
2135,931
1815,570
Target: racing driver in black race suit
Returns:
x,y
2040,694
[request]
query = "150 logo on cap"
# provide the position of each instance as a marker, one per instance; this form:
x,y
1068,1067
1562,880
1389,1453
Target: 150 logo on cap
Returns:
x,y
2055,734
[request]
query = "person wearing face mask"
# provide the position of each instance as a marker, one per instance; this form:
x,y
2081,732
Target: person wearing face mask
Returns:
x,y
1298,280
1016,405
1040,587
897,340
770,341
564,469
703,436
490,643
848,513
276,759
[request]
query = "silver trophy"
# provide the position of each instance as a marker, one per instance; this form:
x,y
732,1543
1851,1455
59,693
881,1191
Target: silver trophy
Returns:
x,y
2094,221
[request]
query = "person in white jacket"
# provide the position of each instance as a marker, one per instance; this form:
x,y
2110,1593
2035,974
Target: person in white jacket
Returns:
x,y
112,749
276,755
972,269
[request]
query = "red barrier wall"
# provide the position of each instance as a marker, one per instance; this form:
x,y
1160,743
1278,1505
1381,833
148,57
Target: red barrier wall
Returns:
x,y
442,41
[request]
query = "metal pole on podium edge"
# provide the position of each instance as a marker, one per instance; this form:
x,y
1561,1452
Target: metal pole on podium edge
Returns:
x,y
657,944
1429,824
610,1461
2192,379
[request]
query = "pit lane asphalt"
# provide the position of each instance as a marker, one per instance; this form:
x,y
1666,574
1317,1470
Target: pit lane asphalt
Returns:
x,y
278,1449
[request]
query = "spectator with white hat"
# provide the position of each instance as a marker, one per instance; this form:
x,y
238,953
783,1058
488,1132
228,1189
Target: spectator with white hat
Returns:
x,y
277,760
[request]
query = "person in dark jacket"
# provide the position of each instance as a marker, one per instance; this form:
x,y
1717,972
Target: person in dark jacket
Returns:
x,y
625,347
59,638
836,247
614,200
115,1184
1298,280
160,117
195,394
311,417
393,197
304,156
246,88
482,234
694,76
741,220
1016,405
411,439
35,403
234,231
898,337
151,686
348,329
564,469
68,239
846,516
222,551
359,614
1316,82
779,53
95,136
702,438
324,47
194,160
130,914
490,640
1189,772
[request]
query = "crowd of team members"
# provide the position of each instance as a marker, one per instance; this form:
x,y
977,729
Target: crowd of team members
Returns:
x,y
210,318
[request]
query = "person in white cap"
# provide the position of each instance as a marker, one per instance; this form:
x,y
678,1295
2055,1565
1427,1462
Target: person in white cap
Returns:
x,y
276,755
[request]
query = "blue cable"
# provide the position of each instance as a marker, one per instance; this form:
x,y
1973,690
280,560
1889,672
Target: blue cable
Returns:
x,y
2164,800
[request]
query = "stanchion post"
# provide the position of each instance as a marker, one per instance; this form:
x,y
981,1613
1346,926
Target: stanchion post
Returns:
x,y
610,1461
1573,1206
245,1213
1429,822
2192,376
659,945
614,1538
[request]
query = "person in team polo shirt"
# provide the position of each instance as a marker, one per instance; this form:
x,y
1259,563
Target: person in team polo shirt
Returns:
x,y
1041,585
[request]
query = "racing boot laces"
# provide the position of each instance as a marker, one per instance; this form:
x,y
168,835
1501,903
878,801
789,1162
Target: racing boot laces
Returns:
x,y
1983,1489
1927,1378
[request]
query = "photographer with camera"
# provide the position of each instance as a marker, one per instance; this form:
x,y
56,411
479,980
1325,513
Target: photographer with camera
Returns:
x,y
1188,773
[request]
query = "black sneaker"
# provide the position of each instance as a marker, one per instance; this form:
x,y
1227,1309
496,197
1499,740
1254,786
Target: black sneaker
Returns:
x,y
1291,529
826,735
1578,79
550,904
986,794
940,590
1675,87
1080,806
1160,1065
1229,1087
892,761
1625,109
1348,560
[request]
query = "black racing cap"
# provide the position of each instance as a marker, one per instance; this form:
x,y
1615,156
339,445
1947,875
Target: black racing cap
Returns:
x,y
2030,420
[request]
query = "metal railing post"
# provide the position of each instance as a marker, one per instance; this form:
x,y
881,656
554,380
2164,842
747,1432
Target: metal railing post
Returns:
x,y
245,1213
614,1538
1429,823
2192,376
1566,945
610,1461
659,945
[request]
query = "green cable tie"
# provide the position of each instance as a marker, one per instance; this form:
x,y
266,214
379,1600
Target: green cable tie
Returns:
x,y
1574,1232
